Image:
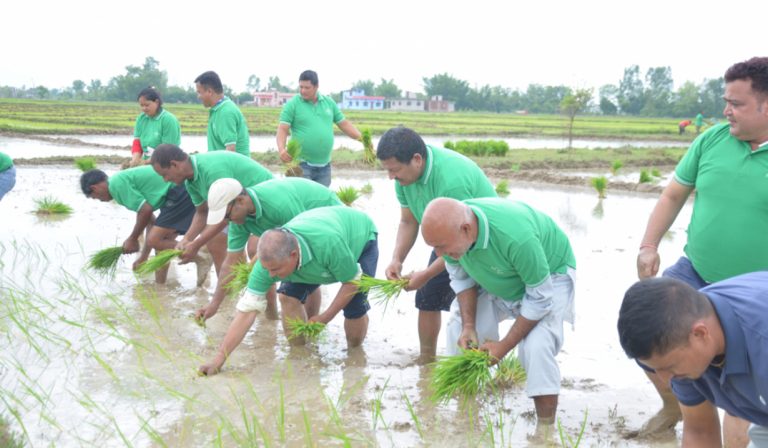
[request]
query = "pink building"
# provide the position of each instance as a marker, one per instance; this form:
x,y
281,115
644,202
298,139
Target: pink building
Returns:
x,y
271,98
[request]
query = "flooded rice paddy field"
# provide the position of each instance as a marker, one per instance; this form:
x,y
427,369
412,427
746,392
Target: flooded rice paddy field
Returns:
x,y
89,361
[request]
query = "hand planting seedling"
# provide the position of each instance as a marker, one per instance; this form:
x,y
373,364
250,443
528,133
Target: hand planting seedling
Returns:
x,y
105,261
381,291
292,168
158,261
305,329
463,375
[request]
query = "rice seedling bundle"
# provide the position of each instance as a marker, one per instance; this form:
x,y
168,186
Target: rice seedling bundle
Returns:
x,y
158,261
369,155
293,148
347,195
85,163
502,188
600,184
309,330
51,206
105,261
379,290
366,189
509,371
238,281
463,375
645,177
616,166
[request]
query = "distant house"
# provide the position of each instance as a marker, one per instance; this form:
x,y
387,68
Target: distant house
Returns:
x,y
410,102
357,100
438,104
271,98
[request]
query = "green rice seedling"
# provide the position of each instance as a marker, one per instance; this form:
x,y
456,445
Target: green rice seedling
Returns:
x,y
49,205
465,375
600,184
655,172
379,290
413,414
509,371
366,189
347,194
158,261
616,166
307,427
502,188
293,148
238,280
281,412
311,331
645,177
105,261
369,155
565,439
85,163
376,406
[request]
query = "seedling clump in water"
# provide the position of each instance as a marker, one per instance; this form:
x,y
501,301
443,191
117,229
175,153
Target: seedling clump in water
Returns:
x,y
158,261
51,206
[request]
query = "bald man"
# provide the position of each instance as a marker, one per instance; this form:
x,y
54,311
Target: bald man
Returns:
x,y
507,261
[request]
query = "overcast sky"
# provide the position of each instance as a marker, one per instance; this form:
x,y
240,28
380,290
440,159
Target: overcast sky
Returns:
x,y
579,43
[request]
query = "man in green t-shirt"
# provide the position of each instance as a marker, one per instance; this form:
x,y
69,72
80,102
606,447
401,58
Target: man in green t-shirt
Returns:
x,y
198,172
726,166
7,174
227,129
320,246
423,173
309,118
507,261
142,191
254,210
698,122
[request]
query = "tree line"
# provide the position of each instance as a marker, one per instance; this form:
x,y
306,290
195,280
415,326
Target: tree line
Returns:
x,y
650,95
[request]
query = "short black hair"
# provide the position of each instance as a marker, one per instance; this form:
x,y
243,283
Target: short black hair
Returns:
x,y
402,144
91,178
210,79
657,314
150,94
165,153
309,75
755,70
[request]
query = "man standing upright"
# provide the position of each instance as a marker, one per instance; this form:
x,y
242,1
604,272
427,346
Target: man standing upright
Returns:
x,y
423,173
309,118
227,128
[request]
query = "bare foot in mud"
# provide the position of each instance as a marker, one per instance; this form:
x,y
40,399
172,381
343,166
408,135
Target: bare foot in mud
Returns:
x,y
660,425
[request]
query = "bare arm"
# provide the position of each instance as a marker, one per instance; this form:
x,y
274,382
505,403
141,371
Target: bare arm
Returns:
x,y
210,310
144,217
283,130
230,148
663,215
235,334
407,232
701,426
342,299
349,129
420,278
468,308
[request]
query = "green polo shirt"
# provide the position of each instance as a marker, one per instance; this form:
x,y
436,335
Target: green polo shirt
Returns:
x,y
134,187
277,201
227,126
312,125
5,161
699,120
153,131
212,166
331,240
517,246
730,212
446,174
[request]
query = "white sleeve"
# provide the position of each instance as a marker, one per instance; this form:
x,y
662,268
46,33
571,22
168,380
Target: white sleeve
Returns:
x,y
460,280
537,300
252,302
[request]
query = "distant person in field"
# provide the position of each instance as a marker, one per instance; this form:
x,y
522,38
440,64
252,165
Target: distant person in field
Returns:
x,y
7,174
227,129
154,126
309,118
423,173
143,191
726,166
710,344
682,125
699,122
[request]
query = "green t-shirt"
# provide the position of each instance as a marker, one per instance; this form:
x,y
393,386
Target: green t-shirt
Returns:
x,y
212,166
517,246
133,187
227,126
153,131
277,201
312,126
699,120
5,161
725,235
446,174
331,240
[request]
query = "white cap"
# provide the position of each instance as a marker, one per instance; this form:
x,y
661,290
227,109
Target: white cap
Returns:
x,y
221,193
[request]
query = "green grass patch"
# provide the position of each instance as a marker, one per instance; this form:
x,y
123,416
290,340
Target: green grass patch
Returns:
x,y
645,177
347,194
600,184
85,163
502,188
49,205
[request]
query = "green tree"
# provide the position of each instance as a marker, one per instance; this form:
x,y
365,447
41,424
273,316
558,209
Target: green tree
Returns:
x,y
711,94
78,88
367,86
572,104
126,87
544,99
177,94
450,88
95,89
274,83
41,92
387,89
254,83
631,98
608,99
686,102
658,92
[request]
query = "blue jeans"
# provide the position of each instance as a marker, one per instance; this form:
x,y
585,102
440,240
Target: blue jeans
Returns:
x,y
683,270
320,174
7,181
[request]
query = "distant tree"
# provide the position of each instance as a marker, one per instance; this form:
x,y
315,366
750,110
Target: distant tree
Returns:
x,y
366,86
274,83
244,97
126,87
177,94
608,99
686,101
658,92
41,92
387,88
711,94
95,89
572,104
254,83
450,88
544,99
631,99
78,88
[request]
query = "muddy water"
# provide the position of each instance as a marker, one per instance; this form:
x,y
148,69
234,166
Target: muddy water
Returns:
x,y
87,361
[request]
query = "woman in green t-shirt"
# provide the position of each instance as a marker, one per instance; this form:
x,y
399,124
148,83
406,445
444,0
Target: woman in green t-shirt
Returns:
x,y
154,126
